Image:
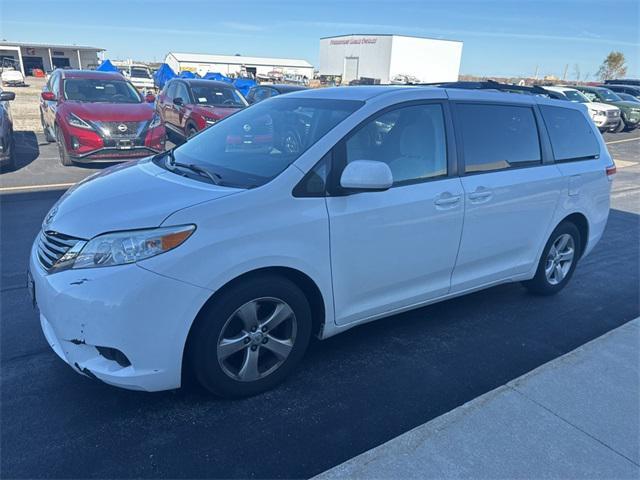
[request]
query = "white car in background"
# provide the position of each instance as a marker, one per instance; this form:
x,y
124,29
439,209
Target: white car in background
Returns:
x,y
140,76
606,117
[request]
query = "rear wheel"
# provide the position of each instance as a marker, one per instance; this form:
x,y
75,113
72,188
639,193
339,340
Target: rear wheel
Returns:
x,y
558,261
251,337
65,159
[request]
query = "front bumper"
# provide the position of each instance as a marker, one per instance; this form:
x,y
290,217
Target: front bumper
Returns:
x,y
143,315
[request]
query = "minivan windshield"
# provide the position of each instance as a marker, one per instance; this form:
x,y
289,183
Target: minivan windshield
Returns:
x,y
253,146
100,90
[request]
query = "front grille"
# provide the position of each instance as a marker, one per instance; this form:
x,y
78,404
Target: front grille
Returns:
x,y
613,113
110,129
52,246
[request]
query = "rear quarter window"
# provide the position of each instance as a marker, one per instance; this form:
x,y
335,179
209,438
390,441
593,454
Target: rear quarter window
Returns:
x,y
571,135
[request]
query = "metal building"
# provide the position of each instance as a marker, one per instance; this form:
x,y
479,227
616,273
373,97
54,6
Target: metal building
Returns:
x,y
237,65
49,56
390,58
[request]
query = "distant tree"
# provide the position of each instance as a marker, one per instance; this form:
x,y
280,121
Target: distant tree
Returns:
x,y
613,66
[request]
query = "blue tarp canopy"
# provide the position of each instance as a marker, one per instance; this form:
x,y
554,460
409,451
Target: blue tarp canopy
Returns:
x,y
107,66
244,84
187,74
218,77
163,75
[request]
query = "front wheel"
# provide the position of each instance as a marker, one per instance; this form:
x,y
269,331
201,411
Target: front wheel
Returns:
x,y
65,159
558,261
251,337
620,127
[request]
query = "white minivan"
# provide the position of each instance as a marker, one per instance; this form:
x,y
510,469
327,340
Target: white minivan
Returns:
x,y
308,214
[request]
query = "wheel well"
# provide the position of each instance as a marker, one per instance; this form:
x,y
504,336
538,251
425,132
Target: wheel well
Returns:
x,y
581,223
303,281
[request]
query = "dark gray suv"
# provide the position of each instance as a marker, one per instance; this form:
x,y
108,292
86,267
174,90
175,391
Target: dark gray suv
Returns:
x,y
7,157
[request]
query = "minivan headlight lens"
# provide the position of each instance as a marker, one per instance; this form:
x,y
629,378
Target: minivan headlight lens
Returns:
x,y
122,248
155,121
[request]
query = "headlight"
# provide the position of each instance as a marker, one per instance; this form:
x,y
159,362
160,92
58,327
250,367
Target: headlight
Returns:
x,y
121,248
155,121
599,113
76,121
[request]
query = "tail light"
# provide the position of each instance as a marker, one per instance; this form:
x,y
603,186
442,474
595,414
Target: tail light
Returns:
x,y
611,171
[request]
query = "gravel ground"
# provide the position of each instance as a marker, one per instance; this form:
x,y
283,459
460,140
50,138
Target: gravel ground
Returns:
x,y
25,108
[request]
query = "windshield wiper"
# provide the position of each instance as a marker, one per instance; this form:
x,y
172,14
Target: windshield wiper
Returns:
x,y
214,177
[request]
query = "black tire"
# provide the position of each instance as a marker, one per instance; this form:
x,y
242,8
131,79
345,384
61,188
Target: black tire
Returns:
x,y
65,159
10,164
191,131
620,127
541,284
207,331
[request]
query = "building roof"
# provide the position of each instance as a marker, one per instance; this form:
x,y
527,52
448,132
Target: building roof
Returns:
x,y
239,60
388,35
91,74
49,45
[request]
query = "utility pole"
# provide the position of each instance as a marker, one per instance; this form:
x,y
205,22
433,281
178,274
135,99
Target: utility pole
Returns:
x,y
535,75
564,75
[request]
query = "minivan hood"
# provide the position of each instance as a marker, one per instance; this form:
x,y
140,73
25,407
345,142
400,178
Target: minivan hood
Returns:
x,y
110,112
128,196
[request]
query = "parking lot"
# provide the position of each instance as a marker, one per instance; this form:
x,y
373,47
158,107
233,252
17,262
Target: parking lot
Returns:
x,y
352,392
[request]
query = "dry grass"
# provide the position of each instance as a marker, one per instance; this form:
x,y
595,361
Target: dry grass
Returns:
x,y
25,109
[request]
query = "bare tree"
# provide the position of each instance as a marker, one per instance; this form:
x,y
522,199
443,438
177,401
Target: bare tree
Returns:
x,y
612,67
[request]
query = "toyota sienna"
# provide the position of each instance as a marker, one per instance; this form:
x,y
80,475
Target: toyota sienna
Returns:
x,y
225,255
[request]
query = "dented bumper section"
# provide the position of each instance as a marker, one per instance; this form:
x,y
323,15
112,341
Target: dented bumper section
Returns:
x,y
125,325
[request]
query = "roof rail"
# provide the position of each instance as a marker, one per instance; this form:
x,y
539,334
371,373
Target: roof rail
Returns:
x,y
490,85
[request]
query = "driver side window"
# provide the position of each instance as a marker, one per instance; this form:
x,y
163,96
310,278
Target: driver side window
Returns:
x,y
411,140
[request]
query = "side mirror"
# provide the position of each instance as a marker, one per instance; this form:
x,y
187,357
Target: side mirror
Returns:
x,y
366,175
150,98
178,101
48,96
7,96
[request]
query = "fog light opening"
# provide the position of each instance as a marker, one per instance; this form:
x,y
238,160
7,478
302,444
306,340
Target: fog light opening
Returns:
x,y
75,144
114,355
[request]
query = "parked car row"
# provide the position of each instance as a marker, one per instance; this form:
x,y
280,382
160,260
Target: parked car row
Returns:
x,y
101,116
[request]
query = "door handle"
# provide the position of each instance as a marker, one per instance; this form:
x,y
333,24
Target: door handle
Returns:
x,y
447,200
481,194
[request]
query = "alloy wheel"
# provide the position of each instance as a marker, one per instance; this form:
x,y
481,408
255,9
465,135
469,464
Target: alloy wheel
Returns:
x,y
257,339
559,259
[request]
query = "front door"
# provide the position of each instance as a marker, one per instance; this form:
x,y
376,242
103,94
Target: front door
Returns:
x,y
396,248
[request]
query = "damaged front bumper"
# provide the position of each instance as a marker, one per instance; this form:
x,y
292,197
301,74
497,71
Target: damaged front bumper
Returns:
x,y
124,325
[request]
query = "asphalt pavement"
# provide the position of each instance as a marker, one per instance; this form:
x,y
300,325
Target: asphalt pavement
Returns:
x,y
352,392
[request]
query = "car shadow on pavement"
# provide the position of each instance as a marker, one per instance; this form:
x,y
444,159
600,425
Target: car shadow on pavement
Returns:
x,y
27,148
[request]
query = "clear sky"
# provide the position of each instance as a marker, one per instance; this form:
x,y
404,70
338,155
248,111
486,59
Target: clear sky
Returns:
x,y
501,37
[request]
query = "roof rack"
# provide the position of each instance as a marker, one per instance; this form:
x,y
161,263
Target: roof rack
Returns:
x,y
490,85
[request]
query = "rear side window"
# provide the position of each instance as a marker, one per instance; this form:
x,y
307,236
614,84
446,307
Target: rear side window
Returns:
x,y
497,137
571,136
